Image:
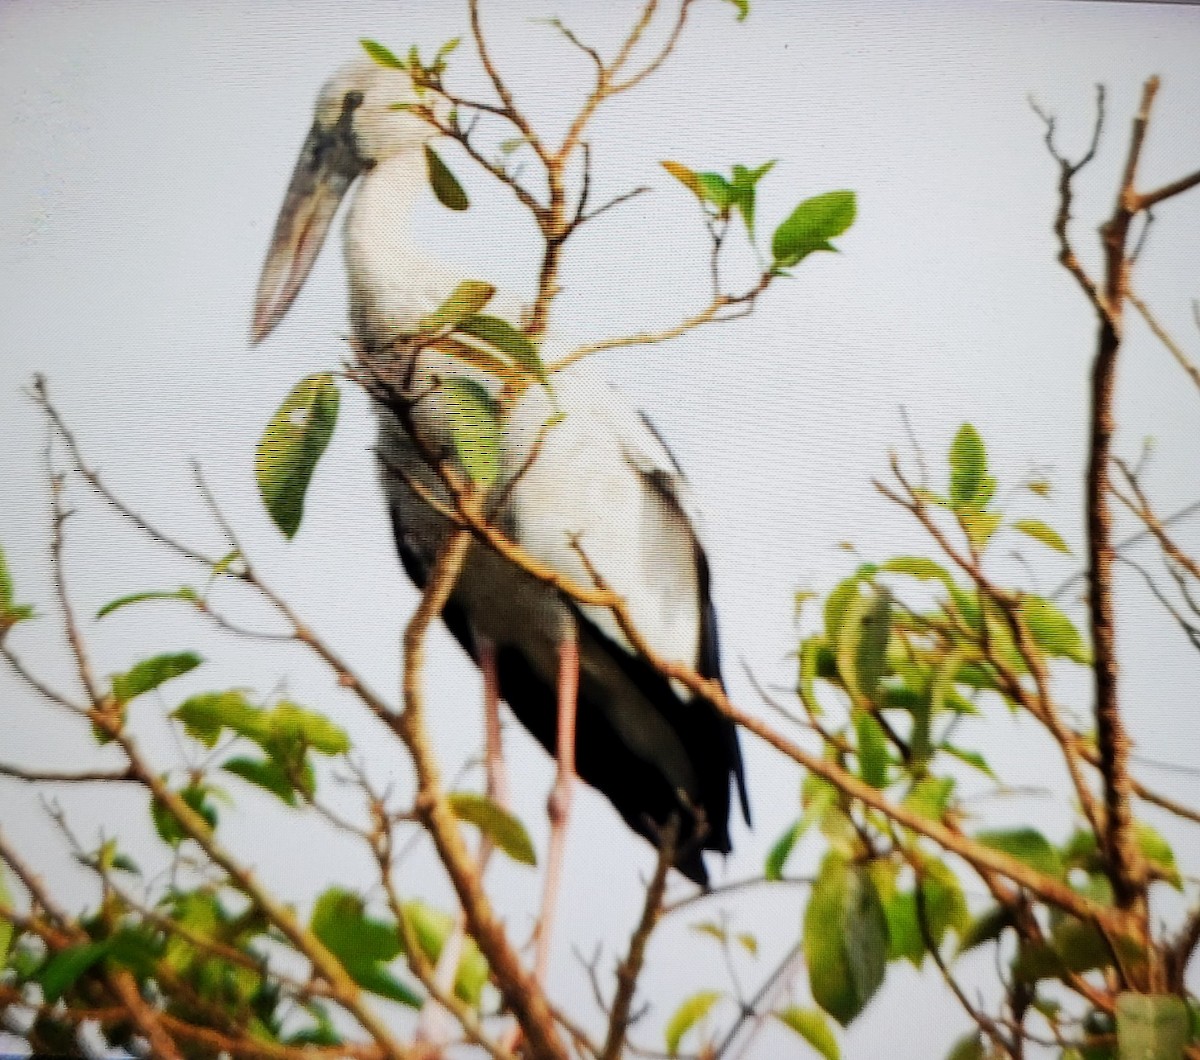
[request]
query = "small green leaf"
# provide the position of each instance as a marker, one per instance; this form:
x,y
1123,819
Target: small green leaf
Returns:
x,y
466,300
930,797
743,191
781,851
291,446
743,8
748,942
968,1047
1026,845
845,938
6,585
873,756
972,758
1053,632
711,929
6,926
968,467
444,183
474,421
715,189
811,226
66,966
363,944
273,777
1040,531
205,715
167,825
917,567
1158,853
813,1027
185,593
432,928
691,1012
382,55
501,335
1152,1027
150,673
496,823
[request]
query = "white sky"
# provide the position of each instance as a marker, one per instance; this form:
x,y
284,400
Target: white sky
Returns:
x,y
146,148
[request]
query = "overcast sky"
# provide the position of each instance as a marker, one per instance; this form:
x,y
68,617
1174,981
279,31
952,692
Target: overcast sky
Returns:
x,y
146,148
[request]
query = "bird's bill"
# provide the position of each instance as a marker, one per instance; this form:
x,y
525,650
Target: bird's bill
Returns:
x,y
319,183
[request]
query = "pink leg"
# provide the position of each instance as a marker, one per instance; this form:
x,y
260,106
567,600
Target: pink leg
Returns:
x,y
559,805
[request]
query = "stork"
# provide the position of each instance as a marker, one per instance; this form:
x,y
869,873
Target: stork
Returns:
x,y
603,490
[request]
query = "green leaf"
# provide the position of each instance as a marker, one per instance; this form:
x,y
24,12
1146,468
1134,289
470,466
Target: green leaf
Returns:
x,y
972,758
1040,531
845,938
291,445
6,926
743,191
691,1012
968,468
383,56
711,929
748,942
811,226
743,8
432,927
715,189
930,797
917,567
363,944
65,967
185,593
905,941
501,335
273,777
205,715
781,851
1158,853
289,723
168,827
1026,845
496,823
968,1047
466,300
873,756
444,183
1151,1026
474,428
838,603
6,584
150,673
813,1027
1052,631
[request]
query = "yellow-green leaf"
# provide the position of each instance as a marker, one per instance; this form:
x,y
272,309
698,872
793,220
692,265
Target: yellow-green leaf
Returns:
x,y
502,336
474,422
811,226
292,444
685,176
467,299
1152,1027
185,593
501,827
1040,531
150,673
968,467
813,1027
382,55
691,1012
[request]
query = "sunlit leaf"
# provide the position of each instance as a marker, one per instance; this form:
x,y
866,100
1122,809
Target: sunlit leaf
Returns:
x,y
444,183
291,446
6,926
968,1047
743,187
150,673
748,942
271,776
10,612
1158,853
845,938
1152,1026
743,8
1026,845
812,1025
972,758
474,422
501,335
432,928
1040,531
691,1012
685,176
811,226
494,821
709,928
930,797
382,55
466,300
1053,631
916,567
968,467
185,593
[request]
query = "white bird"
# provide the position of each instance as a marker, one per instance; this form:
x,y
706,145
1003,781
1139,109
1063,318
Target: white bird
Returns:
x,y
602,478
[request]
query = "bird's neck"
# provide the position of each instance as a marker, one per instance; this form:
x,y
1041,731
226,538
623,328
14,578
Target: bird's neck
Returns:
x,y
393,284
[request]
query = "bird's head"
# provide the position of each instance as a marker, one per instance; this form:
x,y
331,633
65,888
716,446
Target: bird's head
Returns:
x,y
365,116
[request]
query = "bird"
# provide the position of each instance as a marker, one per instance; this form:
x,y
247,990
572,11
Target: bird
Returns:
x,y
598,493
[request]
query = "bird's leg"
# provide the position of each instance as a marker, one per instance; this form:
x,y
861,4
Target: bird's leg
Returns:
x,y
559,804
435,1026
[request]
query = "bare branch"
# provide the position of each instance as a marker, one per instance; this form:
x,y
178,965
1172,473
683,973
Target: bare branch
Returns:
x,y
1164,337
